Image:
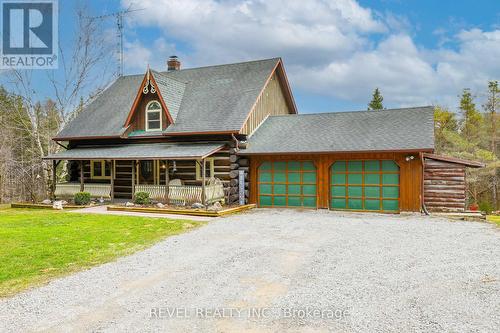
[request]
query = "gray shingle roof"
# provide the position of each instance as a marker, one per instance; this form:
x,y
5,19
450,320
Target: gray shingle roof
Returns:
x,y
139,151
385,130
206,99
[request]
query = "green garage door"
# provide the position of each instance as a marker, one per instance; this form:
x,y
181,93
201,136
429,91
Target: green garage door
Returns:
x,y
365,185
287,184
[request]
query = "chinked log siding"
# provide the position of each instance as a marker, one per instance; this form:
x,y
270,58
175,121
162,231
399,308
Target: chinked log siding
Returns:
x,y
444,186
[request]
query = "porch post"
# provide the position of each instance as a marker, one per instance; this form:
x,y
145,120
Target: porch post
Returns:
x,y
133,179
204,171
167,180
82,186
112,181
53,190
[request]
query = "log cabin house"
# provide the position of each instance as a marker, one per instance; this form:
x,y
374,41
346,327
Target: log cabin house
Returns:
x,y
233,133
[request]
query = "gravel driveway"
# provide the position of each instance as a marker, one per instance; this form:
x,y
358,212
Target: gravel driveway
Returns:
x,y
285,270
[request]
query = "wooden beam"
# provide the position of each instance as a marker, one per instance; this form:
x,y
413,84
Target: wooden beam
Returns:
x,y
133,179
53,190
82,186
167,180
204,171
112,169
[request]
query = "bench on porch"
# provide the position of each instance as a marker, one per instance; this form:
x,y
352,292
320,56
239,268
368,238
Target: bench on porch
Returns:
x,y
68,190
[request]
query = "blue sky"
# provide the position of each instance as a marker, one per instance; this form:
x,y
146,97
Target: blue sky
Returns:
x,y
335,52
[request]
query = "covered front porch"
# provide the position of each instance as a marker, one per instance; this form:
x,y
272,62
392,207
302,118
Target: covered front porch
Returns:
x,y
177,174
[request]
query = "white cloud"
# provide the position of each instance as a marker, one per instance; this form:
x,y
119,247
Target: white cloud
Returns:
x,y
326,46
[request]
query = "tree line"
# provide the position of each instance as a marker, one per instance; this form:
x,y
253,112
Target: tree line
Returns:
x,y
472,134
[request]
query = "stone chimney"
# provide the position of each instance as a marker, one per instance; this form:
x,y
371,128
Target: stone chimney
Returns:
x,y
173,63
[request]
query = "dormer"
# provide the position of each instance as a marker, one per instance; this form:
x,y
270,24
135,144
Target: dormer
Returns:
x,y
155,106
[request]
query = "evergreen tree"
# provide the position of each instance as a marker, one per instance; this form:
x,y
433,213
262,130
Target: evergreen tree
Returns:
x,y
376,102
491,118
471,119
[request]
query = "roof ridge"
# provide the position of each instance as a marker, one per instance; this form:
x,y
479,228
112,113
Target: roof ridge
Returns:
x,y
354,111
220,65
168,77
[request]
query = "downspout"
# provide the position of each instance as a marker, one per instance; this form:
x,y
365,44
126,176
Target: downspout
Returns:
x,y
424,209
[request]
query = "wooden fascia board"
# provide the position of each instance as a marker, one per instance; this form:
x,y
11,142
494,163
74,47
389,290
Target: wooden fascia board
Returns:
x,y
199,133
136,101
472,164
409,151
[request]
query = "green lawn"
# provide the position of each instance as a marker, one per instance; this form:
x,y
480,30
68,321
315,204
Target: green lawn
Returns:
x,y
494,219
37,244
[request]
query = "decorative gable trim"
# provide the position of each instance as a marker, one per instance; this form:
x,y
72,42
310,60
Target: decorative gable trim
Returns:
x,y
148,84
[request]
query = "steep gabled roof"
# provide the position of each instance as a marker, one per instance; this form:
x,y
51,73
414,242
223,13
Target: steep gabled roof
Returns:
x,y
386,130
200,100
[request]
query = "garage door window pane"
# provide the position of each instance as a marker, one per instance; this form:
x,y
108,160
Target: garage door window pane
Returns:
x,y
372,192
372,204
265,166
339,166
355,191
390,205
265,177
293,189
294,201
309,189
390,192
293,166
279,166
309,178
279,201
354,179
265,200
338,203
279,189
355,166
389,166
338,191
279,177
309,202
354,204
389,178
265,189
371,166
294,177
372,179
338,178
309,166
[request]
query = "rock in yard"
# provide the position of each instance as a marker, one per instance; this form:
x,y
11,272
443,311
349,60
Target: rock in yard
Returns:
x,y
215,207
46,202
129,204
64,202
57,205
160,205
197,205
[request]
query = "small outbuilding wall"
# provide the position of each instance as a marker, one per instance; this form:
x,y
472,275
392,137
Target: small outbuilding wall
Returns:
x,y
444,183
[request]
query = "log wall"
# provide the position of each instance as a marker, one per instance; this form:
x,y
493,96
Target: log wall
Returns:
x,y
444,186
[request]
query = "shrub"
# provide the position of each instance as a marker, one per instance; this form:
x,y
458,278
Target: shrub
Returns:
x,y
142,198
486,207
82,198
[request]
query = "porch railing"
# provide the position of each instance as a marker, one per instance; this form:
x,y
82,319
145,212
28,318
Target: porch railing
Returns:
x,y
68,190
183,194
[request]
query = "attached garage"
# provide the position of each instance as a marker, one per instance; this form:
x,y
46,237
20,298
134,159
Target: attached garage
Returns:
x,y
367,185
287,184
356,161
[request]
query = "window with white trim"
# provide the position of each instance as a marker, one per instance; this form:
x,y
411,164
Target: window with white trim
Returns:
x,y
209,169
153,116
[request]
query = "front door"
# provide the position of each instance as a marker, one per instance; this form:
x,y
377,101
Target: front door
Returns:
x,y
146,172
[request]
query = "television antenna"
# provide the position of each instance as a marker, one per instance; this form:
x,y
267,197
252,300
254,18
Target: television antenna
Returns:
x,y
119,31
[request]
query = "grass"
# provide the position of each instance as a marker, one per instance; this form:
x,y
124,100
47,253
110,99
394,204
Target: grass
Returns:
x,y
494,218
38,245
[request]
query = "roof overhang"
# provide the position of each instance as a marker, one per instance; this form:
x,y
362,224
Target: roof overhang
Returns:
x,y
468,163
152,151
